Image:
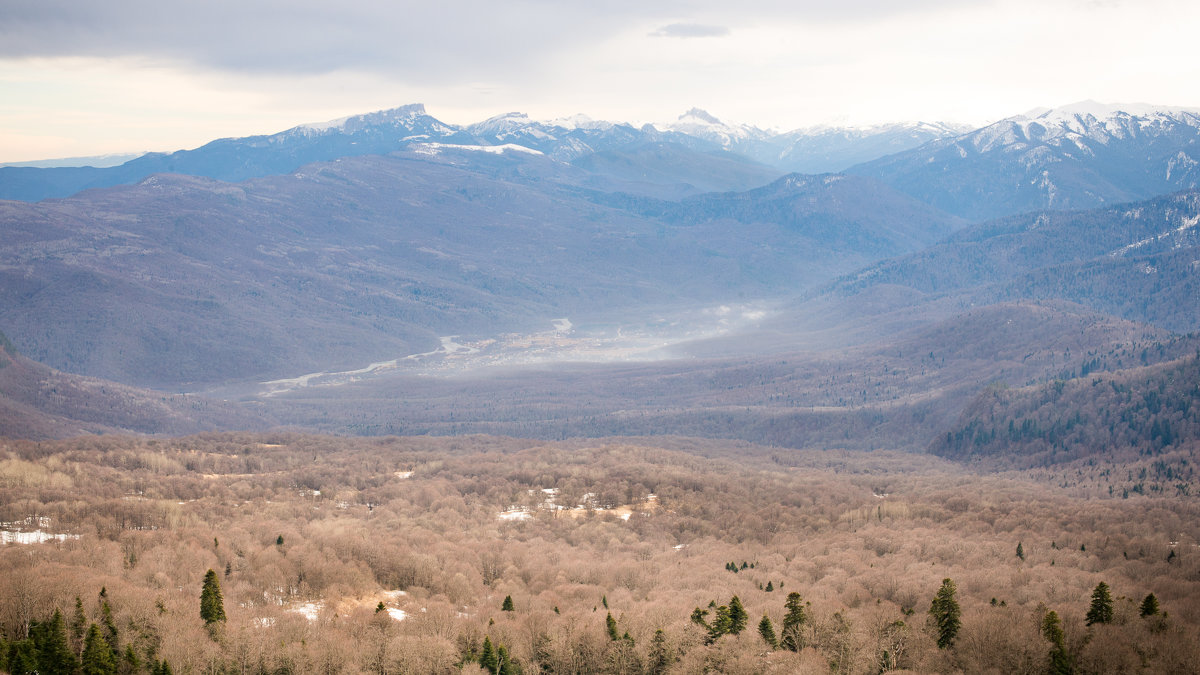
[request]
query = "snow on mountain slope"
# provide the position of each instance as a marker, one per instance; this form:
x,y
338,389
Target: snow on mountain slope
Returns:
x,y
1077,156
700,124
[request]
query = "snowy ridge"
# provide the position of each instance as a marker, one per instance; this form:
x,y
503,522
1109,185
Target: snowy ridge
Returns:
x,y
1080,123
701,124
403,116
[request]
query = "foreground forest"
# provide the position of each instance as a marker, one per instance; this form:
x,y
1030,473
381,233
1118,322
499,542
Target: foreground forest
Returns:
x,y
431,555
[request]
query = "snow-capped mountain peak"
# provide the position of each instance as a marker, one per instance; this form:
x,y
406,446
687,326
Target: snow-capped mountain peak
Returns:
x,y
701,124
392,116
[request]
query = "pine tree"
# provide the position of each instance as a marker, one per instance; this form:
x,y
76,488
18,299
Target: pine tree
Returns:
x,y
507,606
54,654
738,617
1059,659
1149,606
79,624
109,626
767,632
506,665
488,658
130,663
945,614
1020,551
97,656
611,624
790,637
1101,609
22,658
212,605
770,586
660,658
721,625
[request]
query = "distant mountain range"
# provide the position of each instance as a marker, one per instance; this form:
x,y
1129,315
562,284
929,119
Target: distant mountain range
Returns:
x,y
940,262
1075,157
567,140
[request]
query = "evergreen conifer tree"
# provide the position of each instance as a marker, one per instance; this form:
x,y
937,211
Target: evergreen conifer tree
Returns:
x,y
507,606
212,605
1149,606
660,658
611,625
54,654
22,658
97,656
79,624
1020,551
945,614
790,637
1059,659
488,658
506,665
722,624
738,617
130,663
109,627
1101,609
767,631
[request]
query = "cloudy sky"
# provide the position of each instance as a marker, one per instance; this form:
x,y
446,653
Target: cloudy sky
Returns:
x,y
82,77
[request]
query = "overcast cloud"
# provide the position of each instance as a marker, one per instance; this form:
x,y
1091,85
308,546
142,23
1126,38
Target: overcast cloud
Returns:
x,y
90,77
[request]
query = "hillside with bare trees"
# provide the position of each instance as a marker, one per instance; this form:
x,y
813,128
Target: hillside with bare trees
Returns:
x,y
421,555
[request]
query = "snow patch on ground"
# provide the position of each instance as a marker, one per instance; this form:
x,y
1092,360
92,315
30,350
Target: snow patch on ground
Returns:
x,y
309,610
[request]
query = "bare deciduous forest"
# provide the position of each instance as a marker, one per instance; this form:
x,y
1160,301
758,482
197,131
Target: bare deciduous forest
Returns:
x,y
424,555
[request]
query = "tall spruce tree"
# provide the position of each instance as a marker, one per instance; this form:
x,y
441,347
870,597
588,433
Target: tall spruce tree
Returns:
x,y
79,625
1101,609
1059,659
108,625
722,624
790,637
506,666
97,655
610,625
945,614
212,605
22,658
1149,606
767,632
54,653
738,617
488,658
507,605
660,658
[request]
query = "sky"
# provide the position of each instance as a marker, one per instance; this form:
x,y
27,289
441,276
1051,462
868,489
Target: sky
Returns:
x,y
80,78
